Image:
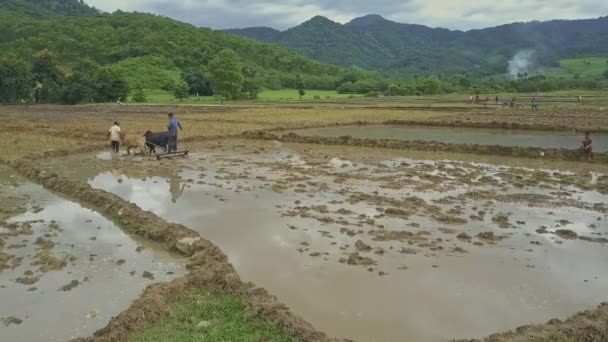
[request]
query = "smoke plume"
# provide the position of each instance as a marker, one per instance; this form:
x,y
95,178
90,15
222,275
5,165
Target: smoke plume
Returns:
x,y
524,62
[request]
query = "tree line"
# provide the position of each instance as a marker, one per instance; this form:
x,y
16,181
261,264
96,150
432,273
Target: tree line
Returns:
x,y
43,81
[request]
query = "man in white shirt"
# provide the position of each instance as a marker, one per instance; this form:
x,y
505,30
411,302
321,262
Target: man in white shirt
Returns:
x,y
114,134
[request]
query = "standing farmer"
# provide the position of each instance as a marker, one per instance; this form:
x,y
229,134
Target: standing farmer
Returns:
x,y
172,127
534,104
114,134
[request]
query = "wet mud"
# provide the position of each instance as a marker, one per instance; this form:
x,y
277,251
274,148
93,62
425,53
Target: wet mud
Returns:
x,y
432,146
342,223
208,266
52,275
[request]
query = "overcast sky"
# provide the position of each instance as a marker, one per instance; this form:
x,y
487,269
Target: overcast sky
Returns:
x,y
281,14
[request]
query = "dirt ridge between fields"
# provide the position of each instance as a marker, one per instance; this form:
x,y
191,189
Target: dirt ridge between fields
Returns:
x,y
434,146
208,266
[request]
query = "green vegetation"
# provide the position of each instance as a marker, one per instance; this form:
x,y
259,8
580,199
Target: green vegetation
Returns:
x,y
150,58
48,8
213,317
226,75
293,94
374,43
580,68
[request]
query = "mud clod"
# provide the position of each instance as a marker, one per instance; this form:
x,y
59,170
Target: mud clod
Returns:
x,y
463,236
27,280
68,287
356,259
11,320
566,234
362,246
148,275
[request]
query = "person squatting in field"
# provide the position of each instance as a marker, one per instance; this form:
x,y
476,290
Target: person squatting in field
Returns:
x,y
172,128
587,146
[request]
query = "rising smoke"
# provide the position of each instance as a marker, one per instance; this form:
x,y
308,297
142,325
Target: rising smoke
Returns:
x,y
524,62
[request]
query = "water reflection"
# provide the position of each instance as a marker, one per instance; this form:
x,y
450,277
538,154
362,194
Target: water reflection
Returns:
x,y
174,186
458,135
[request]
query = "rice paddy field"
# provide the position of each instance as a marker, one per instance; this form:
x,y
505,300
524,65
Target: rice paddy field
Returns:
x,y
366,219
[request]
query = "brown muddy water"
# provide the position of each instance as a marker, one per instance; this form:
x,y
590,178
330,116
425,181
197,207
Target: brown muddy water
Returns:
x,y
459,135
65,270
387,249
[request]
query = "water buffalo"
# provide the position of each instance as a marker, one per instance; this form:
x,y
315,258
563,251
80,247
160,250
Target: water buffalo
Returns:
x,y
156,139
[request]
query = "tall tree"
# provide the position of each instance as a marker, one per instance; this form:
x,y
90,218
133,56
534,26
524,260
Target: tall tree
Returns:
x,y
300,85
15,81
181,90
198,83
48,76
226,75
251,87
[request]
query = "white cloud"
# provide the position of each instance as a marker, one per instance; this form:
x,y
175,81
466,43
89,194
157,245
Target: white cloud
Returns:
x,y
454,14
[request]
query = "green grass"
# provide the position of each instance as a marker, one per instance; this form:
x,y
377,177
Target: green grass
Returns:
x,y
591,67
292,94
157,96
228,321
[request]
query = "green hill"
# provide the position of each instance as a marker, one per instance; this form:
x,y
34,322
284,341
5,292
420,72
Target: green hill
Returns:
x,y
136,41
47,8
374,43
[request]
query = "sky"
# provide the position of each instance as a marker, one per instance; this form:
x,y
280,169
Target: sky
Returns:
x,y
282,14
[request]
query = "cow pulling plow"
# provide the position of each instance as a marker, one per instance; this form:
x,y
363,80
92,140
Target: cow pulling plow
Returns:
x,y
149,142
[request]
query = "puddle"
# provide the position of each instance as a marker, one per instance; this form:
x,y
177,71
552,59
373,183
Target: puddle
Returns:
x,y
310,209
457,135
70,269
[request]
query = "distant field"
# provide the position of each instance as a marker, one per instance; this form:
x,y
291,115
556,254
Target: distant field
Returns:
x,y
156,96
591,67
292,94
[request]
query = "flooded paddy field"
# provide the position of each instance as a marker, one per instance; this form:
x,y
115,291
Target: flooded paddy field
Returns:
x,y
459,135
381,245
65,270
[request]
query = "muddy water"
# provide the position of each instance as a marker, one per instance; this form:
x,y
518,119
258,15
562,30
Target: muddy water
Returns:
x,y
290,221
73,268
457,135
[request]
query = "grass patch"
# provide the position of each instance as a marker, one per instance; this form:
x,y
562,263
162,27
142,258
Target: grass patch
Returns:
x,y
292,95
157,96
212,317
18,144
585,68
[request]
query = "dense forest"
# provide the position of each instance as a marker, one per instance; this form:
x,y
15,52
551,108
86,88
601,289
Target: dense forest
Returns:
x,y
374,43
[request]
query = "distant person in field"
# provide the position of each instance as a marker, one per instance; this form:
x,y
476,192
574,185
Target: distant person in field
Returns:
x,y
471,98
580,99
172,127
534,104
114,134
587,146
496,100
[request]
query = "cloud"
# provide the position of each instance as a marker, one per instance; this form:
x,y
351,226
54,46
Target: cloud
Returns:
x,y
453,14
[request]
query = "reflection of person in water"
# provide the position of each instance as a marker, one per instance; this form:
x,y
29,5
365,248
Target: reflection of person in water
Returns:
x,y
174,188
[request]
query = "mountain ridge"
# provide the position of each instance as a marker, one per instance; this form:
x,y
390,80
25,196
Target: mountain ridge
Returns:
x,y
376,43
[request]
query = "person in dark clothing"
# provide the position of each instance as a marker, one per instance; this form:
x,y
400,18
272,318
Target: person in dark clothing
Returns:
x,y
587,146
534,104
172,128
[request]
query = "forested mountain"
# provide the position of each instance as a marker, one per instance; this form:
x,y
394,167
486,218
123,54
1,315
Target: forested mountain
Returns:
x,y
155,47
265,34
374,43
47,8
